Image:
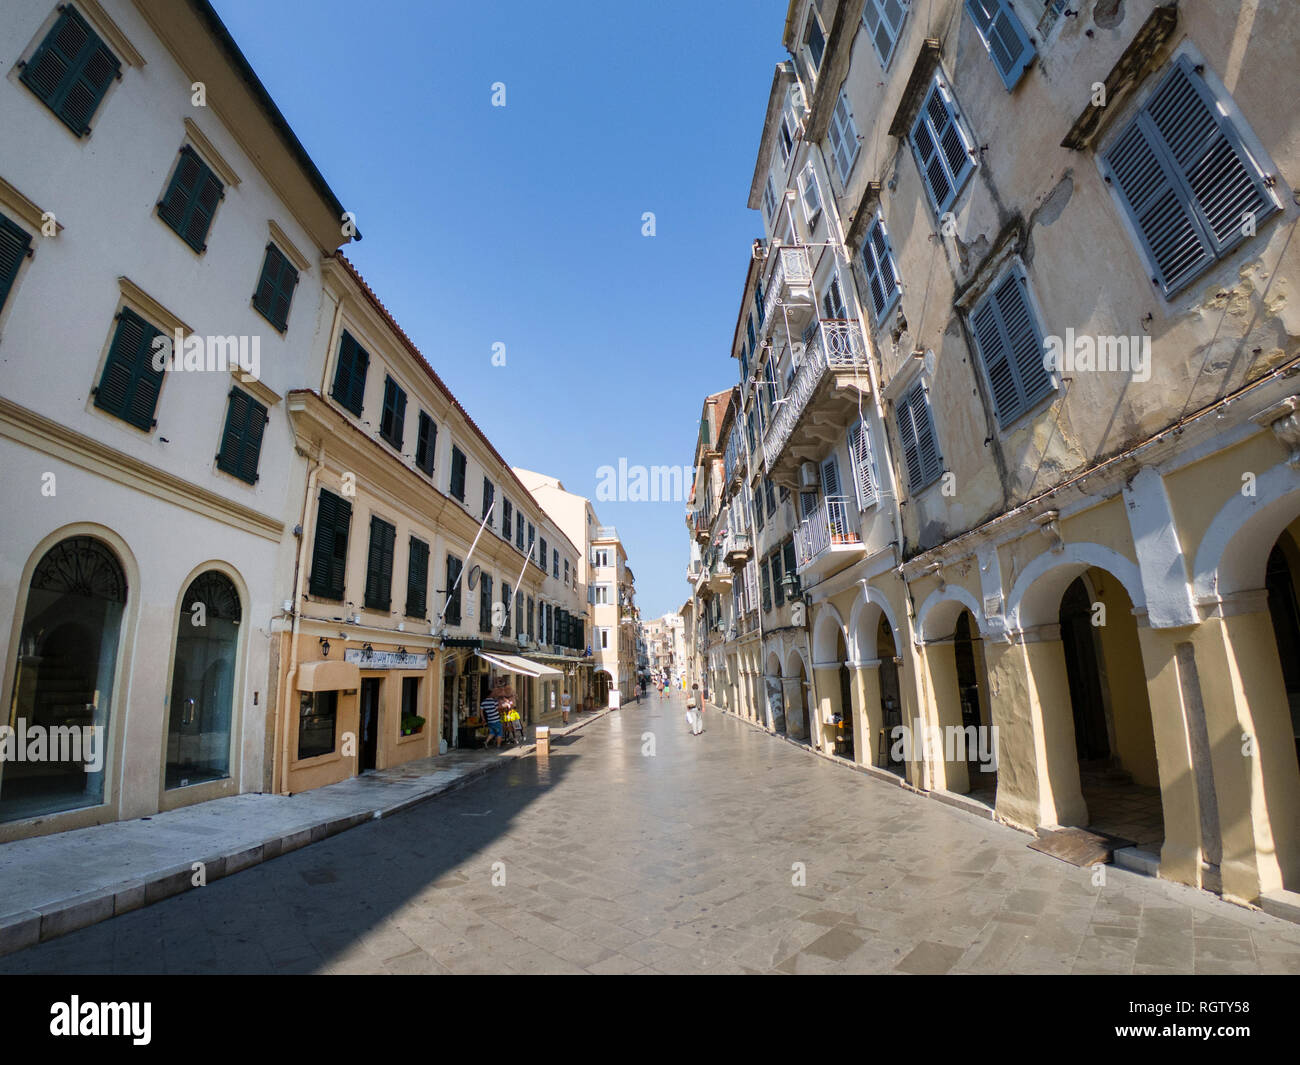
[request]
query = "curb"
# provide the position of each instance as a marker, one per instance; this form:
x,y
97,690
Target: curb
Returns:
x,y
26,928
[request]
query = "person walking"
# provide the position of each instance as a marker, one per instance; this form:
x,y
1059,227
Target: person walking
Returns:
x,y
693,718
492,717
565,701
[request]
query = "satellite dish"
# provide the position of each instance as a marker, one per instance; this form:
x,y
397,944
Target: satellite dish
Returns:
x,y
472,580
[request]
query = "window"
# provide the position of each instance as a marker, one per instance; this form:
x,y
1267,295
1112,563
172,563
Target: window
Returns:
x,y
809,194
787,554
519,530
916,433
329,557
519,613
604,639
393,421
241,440
786,136
14,245
778,589
489,497
769,199
191,199
129,386
485,603
457,483
532,538
1005,38
317,717
542,556
814,40
603,595
452,612
417,579
379,565
1010,346
881,269
884,22
833,302
860,457
1186,179
410,699
505,609
770,496
349,388
555,563
426,443
941,146
758,508
275,288
531,630
507,519
601,556
843,138
566,572
71,70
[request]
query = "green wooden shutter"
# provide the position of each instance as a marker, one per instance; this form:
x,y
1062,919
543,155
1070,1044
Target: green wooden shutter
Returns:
x,y
275,288
241,440
191,199
330,551
129,386
417,579
379,565
426,439
71,70
454,566
14,245
349,387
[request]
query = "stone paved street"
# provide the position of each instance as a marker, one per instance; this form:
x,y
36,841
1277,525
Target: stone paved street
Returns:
x,y
682,862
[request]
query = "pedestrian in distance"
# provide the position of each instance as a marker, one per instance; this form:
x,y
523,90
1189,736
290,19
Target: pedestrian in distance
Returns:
x,y
492,716
693,717
565,700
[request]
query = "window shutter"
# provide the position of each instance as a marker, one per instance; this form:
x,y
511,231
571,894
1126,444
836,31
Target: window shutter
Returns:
x,y
1186,178
941,148
425,441
275,288
843,138
330,552
1011,348
1004,37
379,565
417,579
241,440
129,386
14,244
350,374
453,590
191,199
830,478
71,70
920,449
809,193
860,454
878,264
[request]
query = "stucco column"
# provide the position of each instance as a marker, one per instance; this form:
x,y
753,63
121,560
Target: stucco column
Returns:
x,y
796,713
943,711
828,698
1252,748
867,717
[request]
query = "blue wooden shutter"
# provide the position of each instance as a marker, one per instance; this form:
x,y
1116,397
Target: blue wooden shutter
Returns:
x,y
241,440
1005,38
14,245
941,148
71,70
1011,348
878,265
129,386
1186,178
916,431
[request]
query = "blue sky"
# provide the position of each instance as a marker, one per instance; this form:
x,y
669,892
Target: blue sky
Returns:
x,y
522,225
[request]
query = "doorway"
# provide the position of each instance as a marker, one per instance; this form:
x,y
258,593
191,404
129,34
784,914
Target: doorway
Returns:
x,y
370,688
891,706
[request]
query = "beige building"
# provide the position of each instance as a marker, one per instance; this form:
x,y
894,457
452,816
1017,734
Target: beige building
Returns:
x,y
1023,357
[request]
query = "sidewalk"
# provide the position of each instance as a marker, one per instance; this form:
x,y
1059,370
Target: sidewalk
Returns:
x,y
52,885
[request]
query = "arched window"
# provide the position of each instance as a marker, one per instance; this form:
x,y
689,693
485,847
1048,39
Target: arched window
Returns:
x,y
202,703
63,685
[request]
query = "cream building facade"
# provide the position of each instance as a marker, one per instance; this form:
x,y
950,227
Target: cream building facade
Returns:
x,y
1024,298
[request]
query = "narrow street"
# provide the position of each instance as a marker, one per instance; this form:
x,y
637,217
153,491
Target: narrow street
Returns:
x,y
680,861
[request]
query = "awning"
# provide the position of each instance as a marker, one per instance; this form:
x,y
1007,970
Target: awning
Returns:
x,y
564,660
515,664
326,676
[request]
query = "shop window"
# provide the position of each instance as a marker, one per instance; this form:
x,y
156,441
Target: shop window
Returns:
x,y
202,704
64,677
317,720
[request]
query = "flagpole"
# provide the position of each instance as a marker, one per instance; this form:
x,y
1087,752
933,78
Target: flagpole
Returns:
x,y
510,606
447,602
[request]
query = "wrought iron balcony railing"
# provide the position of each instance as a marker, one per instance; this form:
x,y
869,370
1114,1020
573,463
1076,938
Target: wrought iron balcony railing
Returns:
x,y
836,344
833,522
791,269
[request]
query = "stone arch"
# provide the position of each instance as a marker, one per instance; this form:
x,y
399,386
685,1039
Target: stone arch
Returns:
x,y
1234,550
938,614
826,627
1036,596
864,620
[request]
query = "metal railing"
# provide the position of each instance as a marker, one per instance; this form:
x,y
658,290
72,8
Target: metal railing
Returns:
x,y
833,522
837,343
792,268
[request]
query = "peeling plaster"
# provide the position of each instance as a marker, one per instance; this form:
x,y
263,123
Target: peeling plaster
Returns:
x,y
1108,14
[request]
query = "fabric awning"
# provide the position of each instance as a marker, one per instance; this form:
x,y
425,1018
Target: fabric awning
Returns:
x,y
564,660
326,676
515,664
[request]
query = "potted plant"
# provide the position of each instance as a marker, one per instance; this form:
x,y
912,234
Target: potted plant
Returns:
x,y
412,724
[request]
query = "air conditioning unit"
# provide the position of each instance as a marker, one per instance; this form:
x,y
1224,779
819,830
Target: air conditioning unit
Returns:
x,y
523,640
808,475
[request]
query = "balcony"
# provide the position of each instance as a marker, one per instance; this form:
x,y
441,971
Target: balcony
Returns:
x,y
822,401
693,570
737,549
605,532
828,538
790,282
717,575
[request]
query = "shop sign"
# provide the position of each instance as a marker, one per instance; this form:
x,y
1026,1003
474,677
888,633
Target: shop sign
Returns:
x,y
385,659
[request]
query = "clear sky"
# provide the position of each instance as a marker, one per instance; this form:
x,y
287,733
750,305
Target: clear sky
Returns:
x,y
522,225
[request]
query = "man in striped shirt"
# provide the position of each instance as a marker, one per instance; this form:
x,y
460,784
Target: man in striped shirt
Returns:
x,y
492,715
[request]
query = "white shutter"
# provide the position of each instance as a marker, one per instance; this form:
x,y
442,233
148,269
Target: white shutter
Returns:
x,y
830,478
884,21
809,193
843,138
860,454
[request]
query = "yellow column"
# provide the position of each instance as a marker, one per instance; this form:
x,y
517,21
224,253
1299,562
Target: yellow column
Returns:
x,y
828,699
943,712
